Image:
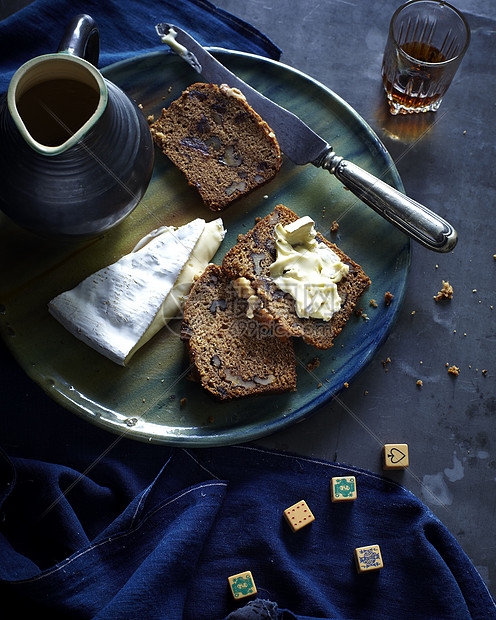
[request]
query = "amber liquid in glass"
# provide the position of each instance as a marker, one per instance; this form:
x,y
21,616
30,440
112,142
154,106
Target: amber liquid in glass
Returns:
x,y
54,110
415,87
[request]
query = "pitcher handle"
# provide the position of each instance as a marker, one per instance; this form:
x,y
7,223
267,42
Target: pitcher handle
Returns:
x,y
82,38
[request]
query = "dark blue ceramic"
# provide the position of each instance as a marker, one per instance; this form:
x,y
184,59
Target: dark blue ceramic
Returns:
x,y
88,184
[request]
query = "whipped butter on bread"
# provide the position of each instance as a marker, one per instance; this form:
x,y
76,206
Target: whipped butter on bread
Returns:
x,y
307,270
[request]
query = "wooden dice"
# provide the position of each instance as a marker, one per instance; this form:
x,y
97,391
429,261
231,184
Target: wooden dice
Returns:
x,y
343,489
298,515
368,558
395,456
242,585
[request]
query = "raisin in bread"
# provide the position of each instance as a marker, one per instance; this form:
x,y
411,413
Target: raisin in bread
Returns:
x,y
232,356
219,142
251,258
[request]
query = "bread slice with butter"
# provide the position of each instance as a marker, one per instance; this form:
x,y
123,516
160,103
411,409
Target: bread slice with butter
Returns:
x,y
121,307
253,259
231,355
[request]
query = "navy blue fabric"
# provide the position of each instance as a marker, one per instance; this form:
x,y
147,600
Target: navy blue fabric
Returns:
x,y
126,28
112,544
96,526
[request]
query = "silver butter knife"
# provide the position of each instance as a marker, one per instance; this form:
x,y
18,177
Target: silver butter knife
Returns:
x,y
303,146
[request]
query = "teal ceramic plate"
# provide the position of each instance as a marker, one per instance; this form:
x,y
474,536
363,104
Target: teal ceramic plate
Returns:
x,y
153,399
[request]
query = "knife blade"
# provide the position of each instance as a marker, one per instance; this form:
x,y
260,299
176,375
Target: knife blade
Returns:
x,y
303,146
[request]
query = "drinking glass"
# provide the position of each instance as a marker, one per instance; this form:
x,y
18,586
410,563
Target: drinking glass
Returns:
x,y
426,43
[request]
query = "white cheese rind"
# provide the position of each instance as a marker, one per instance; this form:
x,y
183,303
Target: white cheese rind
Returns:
x,y
112,309
173,305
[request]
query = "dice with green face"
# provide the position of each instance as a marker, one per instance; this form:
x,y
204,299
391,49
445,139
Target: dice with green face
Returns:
x,y
242,585
343,489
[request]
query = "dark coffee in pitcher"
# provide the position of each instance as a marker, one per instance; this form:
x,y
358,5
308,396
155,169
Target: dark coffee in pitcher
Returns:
x,y
54,110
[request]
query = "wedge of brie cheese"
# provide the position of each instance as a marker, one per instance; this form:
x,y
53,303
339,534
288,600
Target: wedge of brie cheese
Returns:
x,y
120,307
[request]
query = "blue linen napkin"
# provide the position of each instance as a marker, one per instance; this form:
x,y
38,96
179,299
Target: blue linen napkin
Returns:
x,y
112,544
103,527
127,28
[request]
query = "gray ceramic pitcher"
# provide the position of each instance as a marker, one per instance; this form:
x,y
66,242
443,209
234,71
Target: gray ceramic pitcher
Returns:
x,y
76,154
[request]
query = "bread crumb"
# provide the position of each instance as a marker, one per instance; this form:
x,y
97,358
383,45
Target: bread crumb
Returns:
x,y
385,363
420,383
373,303
454,370
313,364
412,312
346,384
388,298
484,372
358,312
150,118
334,227
445,293
319,385
183,402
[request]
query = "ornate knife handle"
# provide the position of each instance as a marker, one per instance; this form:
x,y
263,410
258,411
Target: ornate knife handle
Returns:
x,y
415,220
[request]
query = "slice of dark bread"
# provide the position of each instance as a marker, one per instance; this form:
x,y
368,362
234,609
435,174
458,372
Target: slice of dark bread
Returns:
x,y
231,355
219,142
251,258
